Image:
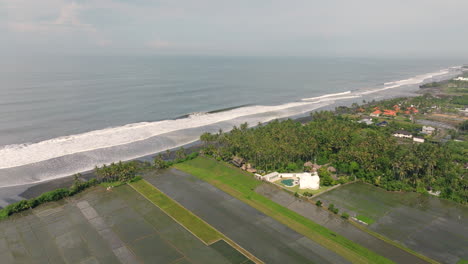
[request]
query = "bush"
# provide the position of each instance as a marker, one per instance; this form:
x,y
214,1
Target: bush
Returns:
x,y
308,194
345,215
333,209
319,203
136,178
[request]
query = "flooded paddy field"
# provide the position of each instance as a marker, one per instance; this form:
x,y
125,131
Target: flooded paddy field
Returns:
x,y
264,237
434,227
99,226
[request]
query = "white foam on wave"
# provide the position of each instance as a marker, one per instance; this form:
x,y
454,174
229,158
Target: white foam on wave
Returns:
x,y
326,96
22,154
24,157
411,81
66,165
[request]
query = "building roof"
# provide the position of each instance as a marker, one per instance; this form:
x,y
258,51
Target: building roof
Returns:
x,y
389,112
403,132
377,112
383,123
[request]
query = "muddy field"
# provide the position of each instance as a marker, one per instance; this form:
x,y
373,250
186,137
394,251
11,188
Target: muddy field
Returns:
x,y
98,226
264,237
434,227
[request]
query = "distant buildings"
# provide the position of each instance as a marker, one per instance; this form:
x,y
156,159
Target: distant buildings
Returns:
x,y
376,113
461,79
418,140
367,121
402,134
390,112
428,130
382,124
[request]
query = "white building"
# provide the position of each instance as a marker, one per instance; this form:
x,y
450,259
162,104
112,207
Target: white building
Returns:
x,y
271,177
419,140
402,134
309,181
367,121
428,130
305,180
461,79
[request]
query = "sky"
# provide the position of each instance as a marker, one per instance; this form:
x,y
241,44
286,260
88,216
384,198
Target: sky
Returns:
x,y
240,27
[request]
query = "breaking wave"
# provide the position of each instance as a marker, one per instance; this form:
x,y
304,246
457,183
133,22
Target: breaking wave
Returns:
x,y
36,162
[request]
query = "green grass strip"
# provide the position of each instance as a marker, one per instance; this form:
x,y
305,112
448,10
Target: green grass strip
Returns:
x,y
187,219
190,221
242,186
365,219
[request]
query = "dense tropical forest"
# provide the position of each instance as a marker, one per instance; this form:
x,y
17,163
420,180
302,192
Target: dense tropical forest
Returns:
x,y
368,153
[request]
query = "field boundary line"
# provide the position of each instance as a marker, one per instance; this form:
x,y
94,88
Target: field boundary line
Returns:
x,y
243,251
396,244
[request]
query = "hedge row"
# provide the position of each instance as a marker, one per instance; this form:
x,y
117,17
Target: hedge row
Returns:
x,y
51,196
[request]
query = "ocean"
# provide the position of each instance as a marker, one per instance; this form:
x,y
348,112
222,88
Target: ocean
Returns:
x,y
60,116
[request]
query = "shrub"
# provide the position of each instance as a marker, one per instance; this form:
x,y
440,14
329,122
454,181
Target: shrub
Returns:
x,y
136,178
17,207
332,208
308,194
319,203
345,215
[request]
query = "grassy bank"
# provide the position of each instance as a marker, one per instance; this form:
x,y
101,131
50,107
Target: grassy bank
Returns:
x,y
242,186
184,217
200,229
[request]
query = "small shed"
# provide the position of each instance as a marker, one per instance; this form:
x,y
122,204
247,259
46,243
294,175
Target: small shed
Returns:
x,y
237,161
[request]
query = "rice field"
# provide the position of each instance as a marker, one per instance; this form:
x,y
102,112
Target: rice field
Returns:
x,y
426,224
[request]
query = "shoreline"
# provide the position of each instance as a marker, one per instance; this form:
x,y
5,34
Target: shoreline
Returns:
x,y
15,193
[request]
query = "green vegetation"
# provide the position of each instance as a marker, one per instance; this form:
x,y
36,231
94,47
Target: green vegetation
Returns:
x,y
160,163
319,203
113,175
46,197
242,186
118,172
332,209
367,153
365,219
199,228
345,215
462,261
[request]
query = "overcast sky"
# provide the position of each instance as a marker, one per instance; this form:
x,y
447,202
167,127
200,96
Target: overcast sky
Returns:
x,y
236,27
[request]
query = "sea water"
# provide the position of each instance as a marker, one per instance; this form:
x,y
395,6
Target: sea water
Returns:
x,y
59,116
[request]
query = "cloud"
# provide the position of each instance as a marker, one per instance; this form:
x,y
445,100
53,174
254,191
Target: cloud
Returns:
x,y
159,44
66,20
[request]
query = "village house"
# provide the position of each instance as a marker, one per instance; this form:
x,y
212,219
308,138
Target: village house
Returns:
x,y
402,134
418,140
367,121
376,113
428,130
389,113
382,124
